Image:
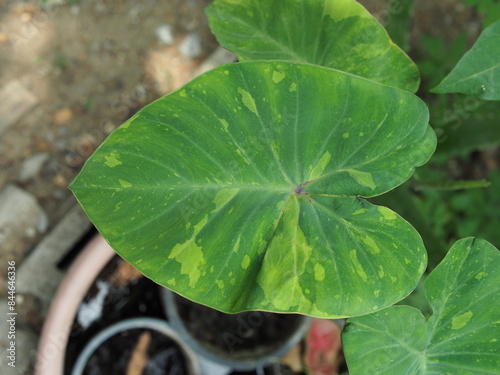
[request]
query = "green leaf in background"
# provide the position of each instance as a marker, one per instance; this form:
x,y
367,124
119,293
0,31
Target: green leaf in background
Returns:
x,y
338,34
465,124
478,72
242,190
461,337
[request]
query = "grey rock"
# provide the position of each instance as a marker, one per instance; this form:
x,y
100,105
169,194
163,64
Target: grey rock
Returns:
x,y
19,341
32,166
39,275
15,102
218,57
164,34
191,46
20,215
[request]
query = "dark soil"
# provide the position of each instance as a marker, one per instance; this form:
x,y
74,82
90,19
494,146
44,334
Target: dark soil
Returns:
x,y
236,336
113,357
126,298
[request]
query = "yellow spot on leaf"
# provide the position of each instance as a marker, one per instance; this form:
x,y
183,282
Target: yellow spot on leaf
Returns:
x,y
112,160
320,167
182,93
124,183
245,262
371,244
190,255
319,272
357,266
480,275
243,157
293,87
285,262
376,292
362,178
248,100
381,272
278,76
224,123
461,321
220,284
171,281
237,245
394,279
345,135
387,213
360,211
223,197
341,9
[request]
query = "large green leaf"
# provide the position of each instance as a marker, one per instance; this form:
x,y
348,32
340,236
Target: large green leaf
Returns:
x,y
461,337
478,72
242,190
339,34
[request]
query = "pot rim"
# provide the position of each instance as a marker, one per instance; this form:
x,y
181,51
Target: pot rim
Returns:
x,y
167,298
155,324
57,326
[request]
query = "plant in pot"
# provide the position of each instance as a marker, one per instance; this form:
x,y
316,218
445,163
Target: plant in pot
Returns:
x,y
247,189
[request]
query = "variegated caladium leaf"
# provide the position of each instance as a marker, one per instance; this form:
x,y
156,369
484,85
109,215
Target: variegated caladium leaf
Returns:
x,y
339,34
461,337
244,190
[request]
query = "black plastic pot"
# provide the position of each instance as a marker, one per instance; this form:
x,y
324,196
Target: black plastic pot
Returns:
x,y
227,342
110,351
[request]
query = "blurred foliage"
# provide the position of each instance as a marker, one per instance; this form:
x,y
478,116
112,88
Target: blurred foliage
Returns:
x,y
449,198
462,213
489,8
398,22
436,57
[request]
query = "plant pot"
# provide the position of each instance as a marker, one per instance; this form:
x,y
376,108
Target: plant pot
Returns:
x,y
243,341
147,344
57,327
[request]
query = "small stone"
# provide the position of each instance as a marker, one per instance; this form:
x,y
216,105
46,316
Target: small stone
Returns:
x,y
60,181
32,166
4,37
20,215
62,116
26,17
30,232
42,224
164,34
75,9
191,46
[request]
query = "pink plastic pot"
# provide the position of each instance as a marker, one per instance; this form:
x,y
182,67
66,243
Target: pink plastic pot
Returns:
x,y
57,327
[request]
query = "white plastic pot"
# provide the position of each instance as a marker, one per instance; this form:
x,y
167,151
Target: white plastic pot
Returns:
x,y
152,324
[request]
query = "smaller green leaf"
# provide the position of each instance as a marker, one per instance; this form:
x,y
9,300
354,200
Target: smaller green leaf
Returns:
x,y
461,337
478,72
